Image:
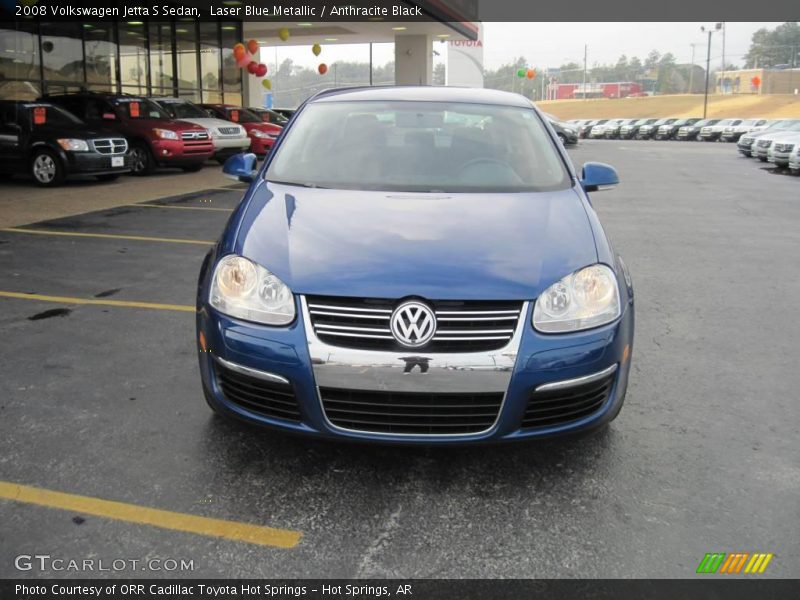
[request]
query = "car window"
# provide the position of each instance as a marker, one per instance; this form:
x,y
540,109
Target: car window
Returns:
x,y
180,109
242,115
419,146
41,114
140,108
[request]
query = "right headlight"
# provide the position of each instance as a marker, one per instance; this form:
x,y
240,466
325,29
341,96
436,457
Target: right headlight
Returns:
x,y
242,289
585,299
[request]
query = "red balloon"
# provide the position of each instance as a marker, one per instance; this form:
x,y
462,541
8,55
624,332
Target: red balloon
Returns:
x,y
251,67
322,68
261,70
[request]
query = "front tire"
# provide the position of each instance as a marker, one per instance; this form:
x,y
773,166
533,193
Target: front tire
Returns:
x,y
142,161
47,169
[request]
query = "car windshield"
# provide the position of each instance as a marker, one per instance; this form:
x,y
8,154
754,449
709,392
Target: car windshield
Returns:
x,y
47,114
726,122
179,109
277,118
242,115
140,108
419,147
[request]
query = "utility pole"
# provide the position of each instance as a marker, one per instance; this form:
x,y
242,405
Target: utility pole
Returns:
x,y
717,27
585,54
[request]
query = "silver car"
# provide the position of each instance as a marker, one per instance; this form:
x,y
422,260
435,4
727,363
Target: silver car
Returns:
x,y
732,133
794,161
782,147
746,142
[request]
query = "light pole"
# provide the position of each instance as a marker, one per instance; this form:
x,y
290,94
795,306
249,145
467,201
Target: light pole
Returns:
x,y
717,27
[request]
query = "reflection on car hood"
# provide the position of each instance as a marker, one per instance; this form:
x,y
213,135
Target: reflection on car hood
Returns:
x,y
209,122
394,244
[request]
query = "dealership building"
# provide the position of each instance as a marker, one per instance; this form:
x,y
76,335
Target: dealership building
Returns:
x,y
193,58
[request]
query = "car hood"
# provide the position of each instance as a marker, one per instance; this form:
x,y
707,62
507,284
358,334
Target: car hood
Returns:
x,y
209,122
393,244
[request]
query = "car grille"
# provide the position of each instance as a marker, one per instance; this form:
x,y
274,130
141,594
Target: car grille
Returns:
x,y
746,141
110,145
548,408
363,323
194,135
764,143
784,147
274,400
411,412
229,131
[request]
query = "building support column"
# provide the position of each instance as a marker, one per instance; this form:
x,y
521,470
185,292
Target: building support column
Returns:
x,y
413,60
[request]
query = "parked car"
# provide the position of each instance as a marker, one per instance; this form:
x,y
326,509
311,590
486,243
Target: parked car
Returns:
x,y
382,282
732,133
647,131
712,133
669,131
745,143
48,142
270,116
586,127
794,161
690,132
599,131
782,146
228,138
627,132
565,131
612,131
262,135
286,112
155,138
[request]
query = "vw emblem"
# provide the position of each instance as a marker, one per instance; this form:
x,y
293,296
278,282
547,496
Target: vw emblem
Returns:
x,y
413,324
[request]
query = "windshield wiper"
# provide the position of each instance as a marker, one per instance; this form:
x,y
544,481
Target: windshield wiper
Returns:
x,y
299,184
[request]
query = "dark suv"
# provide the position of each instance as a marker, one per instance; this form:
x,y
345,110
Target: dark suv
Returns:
x,y
155,138
50,143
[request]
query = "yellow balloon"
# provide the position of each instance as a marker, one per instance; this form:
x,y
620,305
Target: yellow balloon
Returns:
x,y
283,34
316,49
266,83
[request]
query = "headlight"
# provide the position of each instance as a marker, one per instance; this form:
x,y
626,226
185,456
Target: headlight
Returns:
x,y
72,145
213,133
166,134
258,133
242,289
585,299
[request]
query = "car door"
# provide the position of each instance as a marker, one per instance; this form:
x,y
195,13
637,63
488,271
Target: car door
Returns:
x,y
11,138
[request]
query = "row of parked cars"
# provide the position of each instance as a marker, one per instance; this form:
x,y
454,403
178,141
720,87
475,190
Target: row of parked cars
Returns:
x,y
691,129
106,135
778,144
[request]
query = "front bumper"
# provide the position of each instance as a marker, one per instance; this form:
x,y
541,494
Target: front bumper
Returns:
x,y
779,158
180,152
261,146
531,360
228,146
94,163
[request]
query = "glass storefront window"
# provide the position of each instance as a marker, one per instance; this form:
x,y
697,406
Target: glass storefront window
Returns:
x,y
133,65
186,42
62,52
100,48
210,58
231,74
19,52
161,69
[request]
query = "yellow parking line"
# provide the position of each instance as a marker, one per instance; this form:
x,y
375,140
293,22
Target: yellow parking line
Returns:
x,y
181,207
98,301
164,519
138,238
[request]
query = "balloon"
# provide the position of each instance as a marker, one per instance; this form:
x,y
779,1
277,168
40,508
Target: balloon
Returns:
x,y
260,70
267,84
283,34
521,73
238,50
530,74
322,68
242,61
316,49
251,67
252,47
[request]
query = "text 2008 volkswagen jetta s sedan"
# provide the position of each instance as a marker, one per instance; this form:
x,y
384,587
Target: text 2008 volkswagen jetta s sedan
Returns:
x,y
416,265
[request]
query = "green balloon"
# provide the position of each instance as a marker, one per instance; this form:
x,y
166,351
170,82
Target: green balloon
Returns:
x,y
521,73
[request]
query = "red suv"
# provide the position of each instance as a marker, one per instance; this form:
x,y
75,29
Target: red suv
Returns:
x,y
155,139
262,135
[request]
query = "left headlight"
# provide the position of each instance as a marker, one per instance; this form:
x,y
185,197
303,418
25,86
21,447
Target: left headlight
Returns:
x,y
166,134
585,299
242,289
259,134
72,145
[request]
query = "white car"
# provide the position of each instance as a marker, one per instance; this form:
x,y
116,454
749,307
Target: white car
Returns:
x,y
732,133
228,137
712,133
794,160
782,147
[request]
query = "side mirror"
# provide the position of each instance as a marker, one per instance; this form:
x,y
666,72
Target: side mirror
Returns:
x,y
109,116
598,176
241,167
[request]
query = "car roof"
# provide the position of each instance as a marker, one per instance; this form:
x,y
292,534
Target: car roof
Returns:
x,y
422,94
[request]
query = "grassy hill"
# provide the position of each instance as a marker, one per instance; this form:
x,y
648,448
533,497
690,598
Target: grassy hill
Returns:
x,y
688,105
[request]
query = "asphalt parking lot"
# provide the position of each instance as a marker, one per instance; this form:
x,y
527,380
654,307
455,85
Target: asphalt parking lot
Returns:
x,y
101,402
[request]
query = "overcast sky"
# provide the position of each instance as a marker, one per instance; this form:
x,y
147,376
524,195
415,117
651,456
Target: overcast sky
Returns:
x,y
552,44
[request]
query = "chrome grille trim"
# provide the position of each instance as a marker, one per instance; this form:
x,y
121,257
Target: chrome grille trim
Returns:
x,y
110,146
229,130
194,135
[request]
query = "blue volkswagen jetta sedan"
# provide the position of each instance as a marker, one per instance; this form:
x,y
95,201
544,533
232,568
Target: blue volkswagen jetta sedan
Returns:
x,y
417,265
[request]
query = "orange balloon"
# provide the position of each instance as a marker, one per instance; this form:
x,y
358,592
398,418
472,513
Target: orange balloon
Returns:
x,y
530,74
322,68
252,47
238,51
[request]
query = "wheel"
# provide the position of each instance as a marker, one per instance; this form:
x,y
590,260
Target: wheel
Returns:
x,y
47,169
108,177
142,161
192,168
